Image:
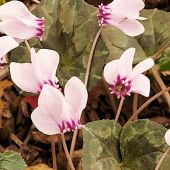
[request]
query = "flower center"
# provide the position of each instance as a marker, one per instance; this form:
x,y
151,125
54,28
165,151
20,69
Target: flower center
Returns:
x,y
121,87
67,126
103,14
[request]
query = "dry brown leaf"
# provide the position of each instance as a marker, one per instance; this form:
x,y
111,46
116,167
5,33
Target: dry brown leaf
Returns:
x,y
3,85
39,167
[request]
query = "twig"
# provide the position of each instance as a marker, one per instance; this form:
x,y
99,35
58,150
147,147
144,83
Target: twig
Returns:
x,y
119,109
147,103
161,84
135,104
162,158
67,153
36,1
53,152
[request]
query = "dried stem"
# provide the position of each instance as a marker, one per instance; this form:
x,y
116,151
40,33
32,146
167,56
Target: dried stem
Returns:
x,y
119,109
135,104
162,158
147,103
160,83
161,50
67,153
36,1
86,83
53,152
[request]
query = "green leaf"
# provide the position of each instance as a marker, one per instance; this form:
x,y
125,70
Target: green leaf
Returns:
x,y
164,61
139,145
11,161
2,2
71,26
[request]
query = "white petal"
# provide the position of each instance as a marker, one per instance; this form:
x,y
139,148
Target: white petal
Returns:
x,y
141,85
167,137
23,76
111,71
18,29
76,95
46,64
7,43
126,61
141,67
131,27
51,102
44,123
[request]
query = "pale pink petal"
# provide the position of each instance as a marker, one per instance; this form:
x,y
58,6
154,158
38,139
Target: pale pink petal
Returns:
x,y
129,8
14,9
76,94
46,65
44,123
141,85
111,71
167,137
131,27
141,67
23,76
6,44
17,29
126,61
51,102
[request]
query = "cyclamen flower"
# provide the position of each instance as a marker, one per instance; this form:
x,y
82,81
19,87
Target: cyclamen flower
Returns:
x,y
30,77
123,80
18,22
123,14
57,113
167,137
6,44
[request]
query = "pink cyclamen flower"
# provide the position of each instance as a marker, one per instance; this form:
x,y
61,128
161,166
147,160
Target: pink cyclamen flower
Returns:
x,y
6,44
123,14
18,22
167,137
30,77
123,80
57,113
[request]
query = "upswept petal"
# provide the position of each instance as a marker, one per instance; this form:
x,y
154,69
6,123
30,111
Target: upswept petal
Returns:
x,y
130,9
167,137
14,9
141,67
46,65
141,85
23,76
7,44
44,122
18,29
111,71
126,61
76,95
51,102
131,27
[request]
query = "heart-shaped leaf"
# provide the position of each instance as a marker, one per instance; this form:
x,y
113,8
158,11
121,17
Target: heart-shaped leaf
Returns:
x,y
139,145
11,161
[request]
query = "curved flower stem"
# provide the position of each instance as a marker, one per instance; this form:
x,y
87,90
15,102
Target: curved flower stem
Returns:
x,y
119,109
147,103
91,56
135,104
86,83
53,152
66,152
162,158
27,45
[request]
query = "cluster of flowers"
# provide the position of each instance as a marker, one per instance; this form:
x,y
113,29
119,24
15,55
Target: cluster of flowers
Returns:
x,y
59,110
